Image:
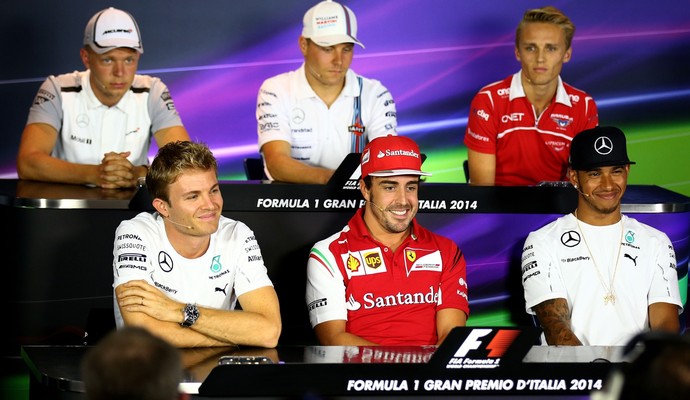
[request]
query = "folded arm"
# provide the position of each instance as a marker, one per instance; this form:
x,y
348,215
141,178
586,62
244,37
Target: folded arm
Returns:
x,y
554,317
36,162
284,168
257,324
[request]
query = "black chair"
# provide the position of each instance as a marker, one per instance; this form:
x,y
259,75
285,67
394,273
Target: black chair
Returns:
x,y
254,169
466,168
99,322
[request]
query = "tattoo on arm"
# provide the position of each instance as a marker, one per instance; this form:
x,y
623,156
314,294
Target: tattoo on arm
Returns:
x,y
554,317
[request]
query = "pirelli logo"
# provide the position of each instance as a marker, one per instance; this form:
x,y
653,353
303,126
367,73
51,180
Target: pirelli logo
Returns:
x,y
131,257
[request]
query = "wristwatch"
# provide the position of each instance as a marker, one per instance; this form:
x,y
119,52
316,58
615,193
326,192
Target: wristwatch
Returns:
x,y
191,314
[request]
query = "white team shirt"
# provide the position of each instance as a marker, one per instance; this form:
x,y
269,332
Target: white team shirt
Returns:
x,y
232,265
557,264
288,109
87,129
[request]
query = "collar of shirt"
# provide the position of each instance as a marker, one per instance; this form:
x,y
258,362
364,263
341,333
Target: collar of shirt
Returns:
x,y
93,101
517,90
359,228
305,91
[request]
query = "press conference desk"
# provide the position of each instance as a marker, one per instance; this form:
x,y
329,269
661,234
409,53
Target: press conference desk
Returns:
x,y
317,372
60,240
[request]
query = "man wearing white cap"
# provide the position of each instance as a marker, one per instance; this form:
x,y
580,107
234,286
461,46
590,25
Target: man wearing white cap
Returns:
x,y
384,279
94,127
311,118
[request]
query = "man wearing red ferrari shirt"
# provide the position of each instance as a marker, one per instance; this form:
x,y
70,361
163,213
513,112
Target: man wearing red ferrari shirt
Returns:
x,y
384,279
519,129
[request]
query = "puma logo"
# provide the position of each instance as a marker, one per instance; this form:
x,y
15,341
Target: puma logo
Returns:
x,y
226,285
634,260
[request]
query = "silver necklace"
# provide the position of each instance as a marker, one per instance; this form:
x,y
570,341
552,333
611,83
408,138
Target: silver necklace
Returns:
x,y
610,296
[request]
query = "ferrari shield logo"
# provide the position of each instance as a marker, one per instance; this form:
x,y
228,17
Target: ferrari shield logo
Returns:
x,y
411,255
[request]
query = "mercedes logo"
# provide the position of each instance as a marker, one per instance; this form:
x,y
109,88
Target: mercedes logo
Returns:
x,y
165,261
82,120
298,116
603,145
570,239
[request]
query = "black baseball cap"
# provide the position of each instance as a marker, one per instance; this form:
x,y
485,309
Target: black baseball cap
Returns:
x,y
601,146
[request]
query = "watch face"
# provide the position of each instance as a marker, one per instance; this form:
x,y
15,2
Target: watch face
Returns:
x,y
191,313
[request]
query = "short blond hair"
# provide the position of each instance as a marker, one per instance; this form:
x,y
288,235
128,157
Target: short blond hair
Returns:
x,y
549,15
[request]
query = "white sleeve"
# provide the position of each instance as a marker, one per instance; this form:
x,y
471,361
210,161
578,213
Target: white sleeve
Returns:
x,y
251,270
133,254
161,107
47,105
325,294
541,276
272,115
664,287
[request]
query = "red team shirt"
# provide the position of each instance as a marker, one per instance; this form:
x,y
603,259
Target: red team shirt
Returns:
x,y
387,298
529,149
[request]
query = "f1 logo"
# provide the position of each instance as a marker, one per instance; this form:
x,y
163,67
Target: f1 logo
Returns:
x,y
471,343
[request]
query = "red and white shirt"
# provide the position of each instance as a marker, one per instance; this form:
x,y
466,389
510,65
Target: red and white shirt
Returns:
x,y
385,297
529,148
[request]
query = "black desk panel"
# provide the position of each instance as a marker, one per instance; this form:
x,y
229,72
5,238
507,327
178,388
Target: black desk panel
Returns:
x,y
317,372
61,237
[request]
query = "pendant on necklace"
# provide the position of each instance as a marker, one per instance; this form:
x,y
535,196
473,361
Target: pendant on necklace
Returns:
x,y
610,297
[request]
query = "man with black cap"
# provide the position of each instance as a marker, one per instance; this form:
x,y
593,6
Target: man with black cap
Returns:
x,y
94,127
597,277
384,279
309,119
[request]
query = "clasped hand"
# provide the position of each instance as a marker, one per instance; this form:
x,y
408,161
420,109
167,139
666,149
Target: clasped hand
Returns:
x,y
116,171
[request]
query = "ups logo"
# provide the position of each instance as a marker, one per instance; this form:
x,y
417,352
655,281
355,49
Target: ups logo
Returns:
x,y
373,260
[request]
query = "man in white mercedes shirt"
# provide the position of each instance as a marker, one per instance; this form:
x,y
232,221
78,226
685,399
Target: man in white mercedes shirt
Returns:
x,y
596,277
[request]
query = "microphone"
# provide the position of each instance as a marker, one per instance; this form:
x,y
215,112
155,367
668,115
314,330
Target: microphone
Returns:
x,y
313,72
380,209
99,83
581,192
179,224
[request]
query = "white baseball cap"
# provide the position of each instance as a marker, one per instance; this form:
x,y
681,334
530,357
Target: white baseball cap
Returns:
x,y
329,23
112,28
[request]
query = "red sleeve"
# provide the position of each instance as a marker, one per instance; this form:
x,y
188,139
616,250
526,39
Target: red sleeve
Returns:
x,y
592,113
454,280
482,123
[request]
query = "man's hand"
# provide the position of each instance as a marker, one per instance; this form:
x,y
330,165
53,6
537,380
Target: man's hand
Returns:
x,y
116,171
139,296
